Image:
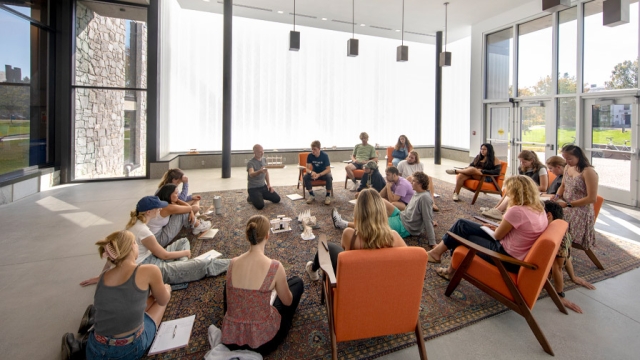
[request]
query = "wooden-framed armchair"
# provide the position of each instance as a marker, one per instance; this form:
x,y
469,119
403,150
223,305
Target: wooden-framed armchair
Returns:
x,y
390,276
488,187
302,170
390,156
518,291
589,252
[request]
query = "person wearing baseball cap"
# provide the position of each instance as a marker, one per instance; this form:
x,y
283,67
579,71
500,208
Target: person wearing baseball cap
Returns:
x,y
371,178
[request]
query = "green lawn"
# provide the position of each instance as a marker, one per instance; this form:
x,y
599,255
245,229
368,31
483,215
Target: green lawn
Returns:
x,y
566,136
18,127
14,155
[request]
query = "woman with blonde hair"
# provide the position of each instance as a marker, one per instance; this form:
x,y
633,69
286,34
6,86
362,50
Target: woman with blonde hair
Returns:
x,y
173,261
401,150
250,321
522,224
556,165
371,231
126,314
177,177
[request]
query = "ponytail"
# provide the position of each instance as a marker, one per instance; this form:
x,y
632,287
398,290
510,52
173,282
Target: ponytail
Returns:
x,y
135,216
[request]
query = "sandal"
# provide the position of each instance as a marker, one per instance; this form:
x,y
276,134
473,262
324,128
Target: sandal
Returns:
x,y
444,273
431,259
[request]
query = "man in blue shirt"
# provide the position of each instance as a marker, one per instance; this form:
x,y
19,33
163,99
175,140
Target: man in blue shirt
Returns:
x,y
318,168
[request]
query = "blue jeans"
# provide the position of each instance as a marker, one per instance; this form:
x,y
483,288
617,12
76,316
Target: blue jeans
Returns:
x,y
135,350
471,231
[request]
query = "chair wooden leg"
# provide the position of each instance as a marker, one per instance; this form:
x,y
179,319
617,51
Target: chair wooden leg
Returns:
x,y
526,313
334,345
554,296
475,196
420,339
593,258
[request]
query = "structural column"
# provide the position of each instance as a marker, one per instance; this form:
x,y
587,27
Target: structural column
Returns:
x,y
226,90
437,154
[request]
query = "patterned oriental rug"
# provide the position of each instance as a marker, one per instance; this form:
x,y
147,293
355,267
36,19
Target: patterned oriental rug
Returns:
x,y
309,336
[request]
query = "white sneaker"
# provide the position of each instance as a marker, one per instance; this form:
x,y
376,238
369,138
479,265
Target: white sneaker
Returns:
x,y
450,171
354,186
484,209
327,200
310,199
313,275
455,197
337,220
204,226
493,213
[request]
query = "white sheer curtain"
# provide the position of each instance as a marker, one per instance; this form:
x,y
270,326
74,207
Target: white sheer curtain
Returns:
x,y
284,99
456,95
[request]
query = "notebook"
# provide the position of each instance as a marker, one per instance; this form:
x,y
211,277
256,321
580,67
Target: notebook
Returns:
x,y
172,334
295,196
210,234
211,254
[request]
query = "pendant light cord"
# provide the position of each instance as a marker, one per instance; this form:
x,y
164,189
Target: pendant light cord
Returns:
x,y
294,15
403,22
446,5
353,19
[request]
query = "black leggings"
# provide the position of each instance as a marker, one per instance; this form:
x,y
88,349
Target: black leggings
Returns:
x,y
286,318
334,250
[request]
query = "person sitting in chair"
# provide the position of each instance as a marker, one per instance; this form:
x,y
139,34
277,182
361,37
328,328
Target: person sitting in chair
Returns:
x,y
318,168
362,153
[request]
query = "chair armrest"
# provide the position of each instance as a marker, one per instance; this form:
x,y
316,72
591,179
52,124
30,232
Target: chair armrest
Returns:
x,y
491,253
302,167
325,259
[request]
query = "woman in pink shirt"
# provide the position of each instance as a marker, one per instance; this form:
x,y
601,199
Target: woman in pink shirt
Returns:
x,y
522,224
250,321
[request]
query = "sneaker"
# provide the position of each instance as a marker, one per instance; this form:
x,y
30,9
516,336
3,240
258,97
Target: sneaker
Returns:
x,y
337,220
483,209
70,347
204,226
327,200
88,319
310,199
451,171
354,186
455,197
493,213
313,275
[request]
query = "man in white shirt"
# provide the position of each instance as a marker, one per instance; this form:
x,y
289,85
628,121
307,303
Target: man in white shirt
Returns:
x,y
412,164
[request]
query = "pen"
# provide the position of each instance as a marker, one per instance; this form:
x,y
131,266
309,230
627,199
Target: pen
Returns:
x,y
174,331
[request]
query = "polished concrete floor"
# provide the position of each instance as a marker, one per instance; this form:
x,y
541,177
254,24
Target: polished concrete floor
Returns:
x,y
48,248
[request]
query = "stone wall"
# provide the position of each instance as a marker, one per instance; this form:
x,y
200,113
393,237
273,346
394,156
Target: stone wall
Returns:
x,y
99,117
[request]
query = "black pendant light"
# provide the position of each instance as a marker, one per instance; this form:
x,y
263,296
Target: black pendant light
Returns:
x,y
402,53
352,44
294,36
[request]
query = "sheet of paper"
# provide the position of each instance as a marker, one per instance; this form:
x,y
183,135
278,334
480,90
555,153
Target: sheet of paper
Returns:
x,y
489,231
354,201
486,221
210,234
294,196
172,334
274,295
211,254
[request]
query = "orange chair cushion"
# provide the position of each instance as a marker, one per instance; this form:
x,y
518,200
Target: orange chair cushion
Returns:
x,y
529,282
378,292
551,176
358,174
473,184
390,156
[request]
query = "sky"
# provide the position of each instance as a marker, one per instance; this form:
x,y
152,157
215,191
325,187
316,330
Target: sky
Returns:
x,y
14,34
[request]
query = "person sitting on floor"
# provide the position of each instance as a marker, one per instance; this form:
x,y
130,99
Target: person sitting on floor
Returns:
x,y
371,178
411,165
258,183
177,177
416,219
524,221
126,314
250,321
362,153
563,258
484,163
172,218
530,166
398,190
318,168
371,231
174,263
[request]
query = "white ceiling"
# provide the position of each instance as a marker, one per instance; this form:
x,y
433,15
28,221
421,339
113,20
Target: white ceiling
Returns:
x,y
421,16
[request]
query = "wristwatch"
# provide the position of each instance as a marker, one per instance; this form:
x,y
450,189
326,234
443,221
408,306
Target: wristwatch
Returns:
x,y
569,204
561,294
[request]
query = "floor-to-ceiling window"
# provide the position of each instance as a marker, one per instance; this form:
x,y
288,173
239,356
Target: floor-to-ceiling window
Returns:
x,y
110,90
25,66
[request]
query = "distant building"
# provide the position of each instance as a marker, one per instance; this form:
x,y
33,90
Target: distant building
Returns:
x,y
3,78
13,74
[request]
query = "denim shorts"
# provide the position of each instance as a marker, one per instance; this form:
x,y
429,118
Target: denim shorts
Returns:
x,y
395,223
135,350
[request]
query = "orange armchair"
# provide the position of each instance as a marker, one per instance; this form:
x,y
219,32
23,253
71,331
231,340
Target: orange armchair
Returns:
x,y
589,252
493,187
390,156
302,167
519,291
390,276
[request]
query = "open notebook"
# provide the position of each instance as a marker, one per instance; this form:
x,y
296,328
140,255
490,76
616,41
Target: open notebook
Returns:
x,y
172,334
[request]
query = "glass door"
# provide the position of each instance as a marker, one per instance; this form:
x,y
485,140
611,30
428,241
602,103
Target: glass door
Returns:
x,y
612,145
499,129
533,119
